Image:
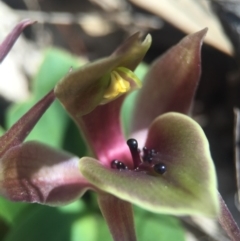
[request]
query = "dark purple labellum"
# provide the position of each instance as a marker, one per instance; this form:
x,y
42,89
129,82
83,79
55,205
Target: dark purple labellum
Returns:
x,y
160,168
115,164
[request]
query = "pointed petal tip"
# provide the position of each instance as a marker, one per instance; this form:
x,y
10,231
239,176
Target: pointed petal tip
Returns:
x,y
11,38
141,38
203,32
133,43
26,22
199,35
147,41
205,29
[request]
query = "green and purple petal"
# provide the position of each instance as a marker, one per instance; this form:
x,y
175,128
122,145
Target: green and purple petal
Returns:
x,y
170,84
33,172
9,41
188,187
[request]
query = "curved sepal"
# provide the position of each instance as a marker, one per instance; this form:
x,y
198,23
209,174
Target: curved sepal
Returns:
x,y
84,89
188,187
33,172
170,84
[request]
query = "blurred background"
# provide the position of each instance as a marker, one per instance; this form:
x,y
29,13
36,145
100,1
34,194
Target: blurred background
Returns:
x,y
89,29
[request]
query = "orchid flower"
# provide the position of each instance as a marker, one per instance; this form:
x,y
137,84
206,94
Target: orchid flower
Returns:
x,y
174,172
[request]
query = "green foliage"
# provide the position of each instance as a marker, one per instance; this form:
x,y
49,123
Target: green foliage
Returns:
x,y
76,222
55,123
10,210
155,227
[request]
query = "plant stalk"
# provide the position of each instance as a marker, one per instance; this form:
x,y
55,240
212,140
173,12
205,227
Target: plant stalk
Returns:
x,y
227,221
119,217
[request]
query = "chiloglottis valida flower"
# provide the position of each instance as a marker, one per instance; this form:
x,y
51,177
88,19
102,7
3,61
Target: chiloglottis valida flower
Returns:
x,y
171,173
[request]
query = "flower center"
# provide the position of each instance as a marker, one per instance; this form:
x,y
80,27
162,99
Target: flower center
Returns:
x,y
115,164
147,160
122,80
117,86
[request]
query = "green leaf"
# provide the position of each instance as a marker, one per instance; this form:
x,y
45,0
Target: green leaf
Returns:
x,y
56,64
20,130
187,188
41,223
69,223
74,222
91,227
52,126
9,210
157,227
2,131
73,141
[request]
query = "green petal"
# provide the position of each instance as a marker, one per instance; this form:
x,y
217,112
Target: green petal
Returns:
x,y
189,185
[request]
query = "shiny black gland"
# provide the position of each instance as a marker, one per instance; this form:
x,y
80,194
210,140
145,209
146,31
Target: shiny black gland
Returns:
x,y
160,168
115,164
135,152
133,144
149,154
148,162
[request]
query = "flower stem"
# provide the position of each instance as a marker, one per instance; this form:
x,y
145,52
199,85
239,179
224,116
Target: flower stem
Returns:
x,y
227,221
119,217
